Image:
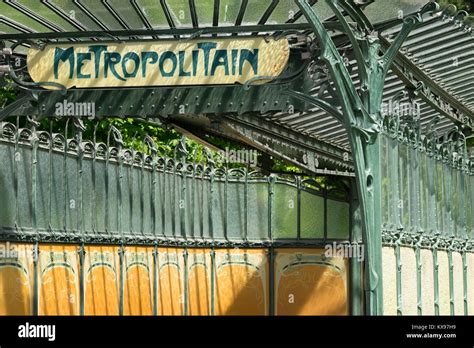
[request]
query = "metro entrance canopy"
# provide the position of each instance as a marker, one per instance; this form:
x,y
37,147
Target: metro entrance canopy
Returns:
x,y
310,82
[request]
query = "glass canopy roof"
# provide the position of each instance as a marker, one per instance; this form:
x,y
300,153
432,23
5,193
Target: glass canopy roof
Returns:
x,y
18,16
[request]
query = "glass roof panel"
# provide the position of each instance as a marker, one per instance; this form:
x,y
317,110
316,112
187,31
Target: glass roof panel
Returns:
x,y
154,12
322,9
382,10
285,11
180,13
98,10
255,11
94,14
205,12
229,11
20,18
128,13
40,9
75,13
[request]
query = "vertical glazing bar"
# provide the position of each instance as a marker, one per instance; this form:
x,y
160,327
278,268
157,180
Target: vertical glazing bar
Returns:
x,y
163,199
418,276
464,274
399,278
201,215
35,252
155,279
50,177
34,169
271,182
121,252
298,207
213,275
209,199
226,186
183,202
15,173
119,191
271,277
186,300
130,181
153,195
246,206
80,159
436,276
451,279
325,214
94,184
142,201
81,253
193,204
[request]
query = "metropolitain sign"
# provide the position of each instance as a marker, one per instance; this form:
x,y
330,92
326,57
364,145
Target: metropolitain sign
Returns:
x,y
220,61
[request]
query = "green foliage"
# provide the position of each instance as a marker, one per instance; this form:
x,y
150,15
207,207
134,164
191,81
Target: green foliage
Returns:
x,y
466,5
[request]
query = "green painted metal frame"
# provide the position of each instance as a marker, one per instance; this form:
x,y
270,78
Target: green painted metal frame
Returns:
x,y
359,111
361,115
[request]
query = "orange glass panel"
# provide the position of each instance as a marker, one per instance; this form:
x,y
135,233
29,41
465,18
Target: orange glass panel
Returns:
x,y
308,284
199,285
16,279
58,279
241,283
170,281
102,279
138,281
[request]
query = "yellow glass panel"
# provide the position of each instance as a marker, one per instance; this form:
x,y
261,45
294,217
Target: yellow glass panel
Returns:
x,y
170,281
241,282
138,281
16,279
58,280
306,283
102,279
199,286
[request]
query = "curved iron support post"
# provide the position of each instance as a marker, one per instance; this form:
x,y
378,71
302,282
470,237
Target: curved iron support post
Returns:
x,y
362,118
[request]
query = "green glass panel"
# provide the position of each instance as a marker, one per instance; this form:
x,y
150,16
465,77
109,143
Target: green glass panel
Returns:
x,y
180,12
218,210
25,20
73,200
312,216
75,12
285,212
58,199
228,11
257,211
146,190
338,219
236,218
154,12
205,12
255,10
126,11
102,13
285,10
7,182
